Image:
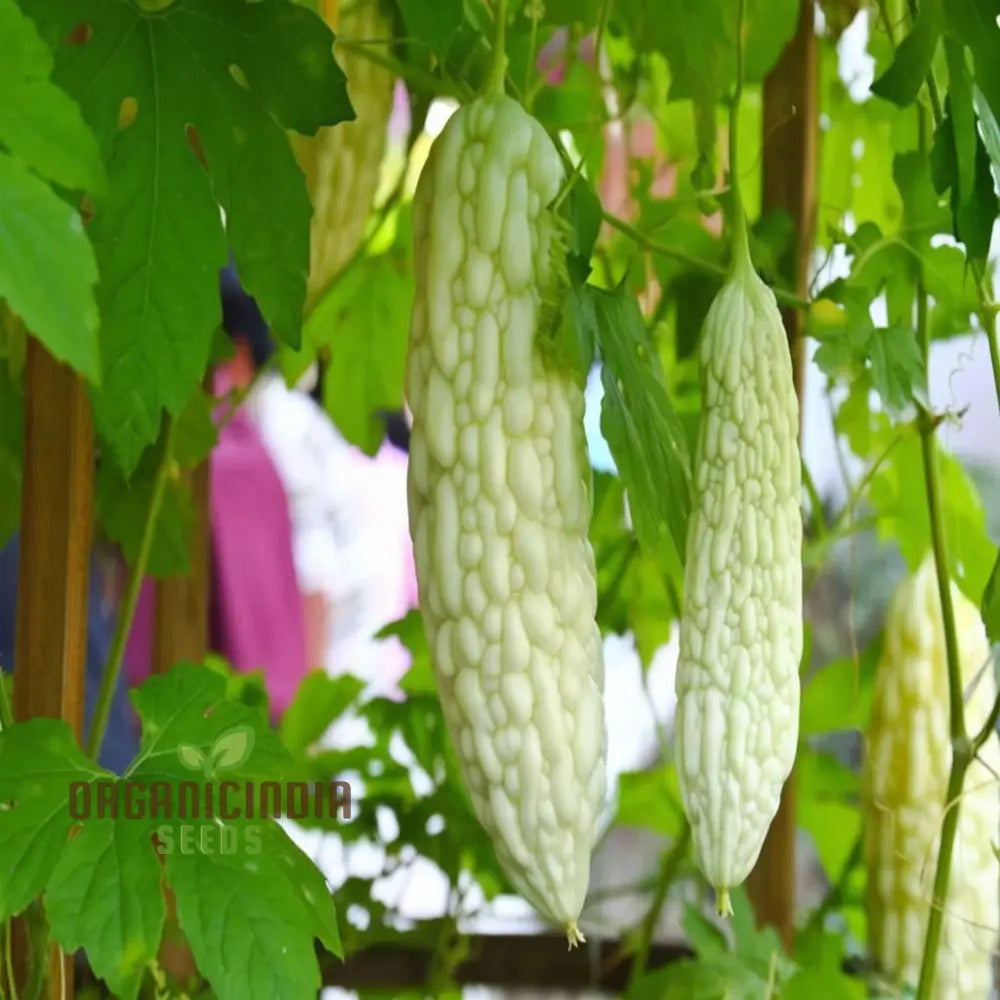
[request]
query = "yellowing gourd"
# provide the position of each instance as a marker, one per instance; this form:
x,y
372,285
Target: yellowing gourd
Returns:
x,y
740,640
341,162
499,503
905,784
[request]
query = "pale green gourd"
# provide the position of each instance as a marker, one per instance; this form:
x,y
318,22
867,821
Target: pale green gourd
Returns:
x,y
905,782
737,680
499,503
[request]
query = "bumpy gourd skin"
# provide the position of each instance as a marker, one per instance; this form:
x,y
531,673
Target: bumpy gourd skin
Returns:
x,y
737,679
905,784
341,162
499,504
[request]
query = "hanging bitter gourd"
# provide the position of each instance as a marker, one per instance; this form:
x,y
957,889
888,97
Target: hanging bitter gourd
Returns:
x,y
740,640
905,782
499,501
342,162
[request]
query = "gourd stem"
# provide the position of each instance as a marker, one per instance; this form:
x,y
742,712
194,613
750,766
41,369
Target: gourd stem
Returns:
x,y
498,67
741,246
126,614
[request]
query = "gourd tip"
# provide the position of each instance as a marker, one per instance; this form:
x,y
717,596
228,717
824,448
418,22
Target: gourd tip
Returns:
x,y
723,905
574,935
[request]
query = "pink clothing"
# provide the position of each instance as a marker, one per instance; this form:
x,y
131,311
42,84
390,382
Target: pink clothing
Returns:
x,y
257,610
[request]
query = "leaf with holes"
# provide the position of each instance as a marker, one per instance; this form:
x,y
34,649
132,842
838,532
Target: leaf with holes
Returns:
x,y
189,106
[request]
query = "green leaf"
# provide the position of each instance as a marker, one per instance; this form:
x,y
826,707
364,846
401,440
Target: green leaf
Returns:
x,y
365,320
189,707
897,368
47,268
989,130
250,916
837,697
722,978
702,934
963,116
834,828
891,354
319,701
39,123
898,496
573,103
575,338
156,231
409,630
973,220
760,949
830,984
651,800
701,57
828,794
990,606
973,23
902,81
583,211
195,433
646,438
104,895
571,11
39,762
433,24
123,507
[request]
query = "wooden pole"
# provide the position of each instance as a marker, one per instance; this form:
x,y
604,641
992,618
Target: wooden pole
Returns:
x,y
789,177
181,630
54,570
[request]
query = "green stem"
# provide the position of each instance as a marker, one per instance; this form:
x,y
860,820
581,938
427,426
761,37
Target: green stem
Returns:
x,y
961,751
529,95
932,940
434,85
498,66
126,613
783,296
669,865
739,216
815,503
6,712
602,24
988,317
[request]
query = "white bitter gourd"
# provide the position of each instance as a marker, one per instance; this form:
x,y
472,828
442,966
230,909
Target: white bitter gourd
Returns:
x,y
740,641
905,784
341,162
499,503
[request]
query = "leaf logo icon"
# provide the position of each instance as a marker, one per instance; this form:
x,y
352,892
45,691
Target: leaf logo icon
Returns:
x,y
233,747
191,757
